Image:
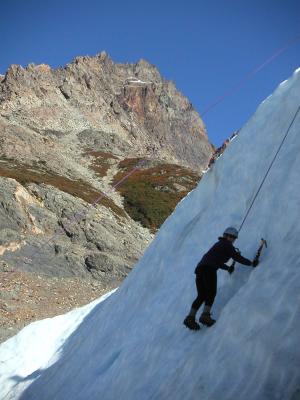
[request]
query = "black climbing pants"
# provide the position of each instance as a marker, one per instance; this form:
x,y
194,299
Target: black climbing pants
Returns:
x,y
206,283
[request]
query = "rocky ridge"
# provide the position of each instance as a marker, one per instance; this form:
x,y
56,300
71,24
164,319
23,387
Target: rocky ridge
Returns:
x,y
67,139
126,109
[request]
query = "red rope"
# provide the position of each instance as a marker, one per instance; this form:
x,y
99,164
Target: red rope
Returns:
x,y
250,74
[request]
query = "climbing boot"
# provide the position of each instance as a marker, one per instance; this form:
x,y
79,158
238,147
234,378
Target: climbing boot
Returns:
x,y
206,319
190,323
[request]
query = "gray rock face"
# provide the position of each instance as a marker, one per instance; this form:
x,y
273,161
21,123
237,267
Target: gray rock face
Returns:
x,y
126,108
63,133
40,233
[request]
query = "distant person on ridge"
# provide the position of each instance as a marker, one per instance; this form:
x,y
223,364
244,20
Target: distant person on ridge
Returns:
x,y
206,276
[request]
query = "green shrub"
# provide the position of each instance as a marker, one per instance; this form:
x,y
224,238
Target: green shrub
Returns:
x,y
150,195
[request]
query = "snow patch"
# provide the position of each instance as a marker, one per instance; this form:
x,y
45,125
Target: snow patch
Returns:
x,y
283,83
137,81
20,365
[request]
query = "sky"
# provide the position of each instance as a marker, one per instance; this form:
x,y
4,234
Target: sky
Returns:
x,y
132,344
205,47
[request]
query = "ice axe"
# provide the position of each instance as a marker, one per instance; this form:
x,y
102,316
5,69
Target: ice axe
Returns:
x,y
263,243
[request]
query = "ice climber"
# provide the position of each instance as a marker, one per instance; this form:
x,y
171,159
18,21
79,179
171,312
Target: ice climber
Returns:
x,y
206,276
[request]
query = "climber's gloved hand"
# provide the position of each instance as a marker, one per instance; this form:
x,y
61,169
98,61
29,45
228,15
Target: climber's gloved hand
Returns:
x,y
231,269
255,262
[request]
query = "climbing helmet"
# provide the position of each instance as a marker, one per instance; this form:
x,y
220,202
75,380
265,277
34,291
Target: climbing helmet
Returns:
x,y
231,232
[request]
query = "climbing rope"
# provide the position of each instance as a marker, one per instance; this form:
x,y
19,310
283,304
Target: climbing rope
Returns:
x,y
236,87
79,216
273,160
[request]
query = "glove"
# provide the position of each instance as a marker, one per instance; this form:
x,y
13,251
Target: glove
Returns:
x,y
231,269
255,262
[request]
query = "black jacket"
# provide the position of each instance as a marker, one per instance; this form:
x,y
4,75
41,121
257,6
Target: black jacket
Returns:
x,y
219,254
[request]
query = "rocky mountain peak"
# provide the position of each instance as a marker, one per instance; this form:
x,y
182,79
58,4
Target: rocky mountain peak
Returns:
x,y
131,102
68,137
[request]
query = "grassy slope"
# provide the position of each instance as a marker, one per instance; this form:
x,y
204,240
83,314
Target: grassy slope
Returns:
x,y
151,194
